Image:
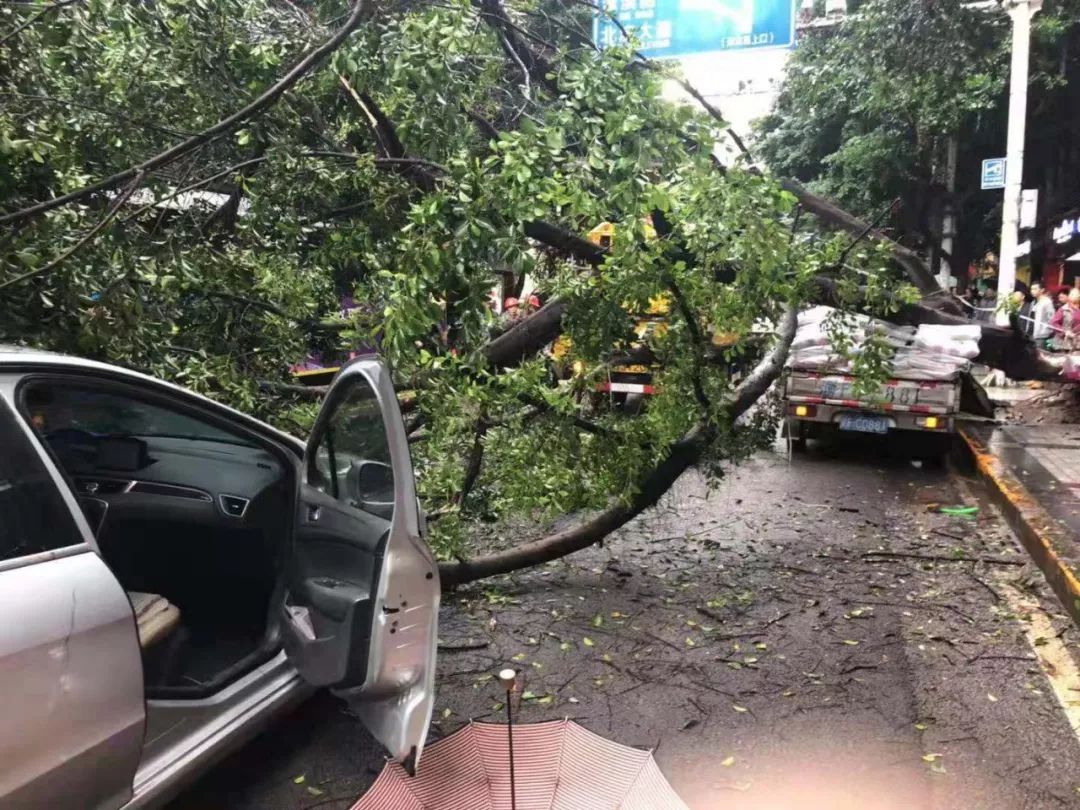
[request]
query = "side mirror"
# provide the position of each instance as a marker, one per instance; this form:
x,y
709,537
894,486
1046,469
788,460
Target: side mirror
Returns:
x,y
370,486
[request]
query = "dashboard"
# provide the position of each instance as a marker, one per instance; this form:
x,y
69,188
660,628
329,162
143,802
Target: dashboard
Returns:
x,y
191,479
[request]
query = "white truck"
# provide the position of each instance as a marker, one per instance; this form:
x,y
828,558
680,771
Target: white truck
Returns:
x,y
820,401
920,399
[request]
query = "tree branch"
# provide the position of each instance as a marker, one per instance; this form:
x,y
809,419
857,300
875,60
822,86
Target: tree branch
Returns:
x,y
33,18
86,237
267,98
754,386
389,144
538,68
873,226
475,462
578,422
683,454
915,268
485,126
566,242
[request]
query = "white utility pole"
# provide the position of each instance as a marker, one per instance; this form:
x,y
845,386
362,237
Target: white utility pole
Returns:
x,y
1021,12
948,218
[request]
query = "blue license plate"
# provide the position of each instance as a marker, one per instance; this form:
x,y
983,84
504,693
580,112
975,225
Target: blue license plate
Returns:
x,y
865,424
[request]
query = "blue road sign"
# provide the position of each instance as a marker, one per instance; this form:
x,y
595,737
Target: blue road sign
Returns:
x,y
666,28
993,173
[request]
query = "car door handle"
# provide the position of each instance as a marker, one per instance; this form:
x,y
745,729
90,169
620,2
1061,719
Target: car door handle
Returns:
x,y
314,512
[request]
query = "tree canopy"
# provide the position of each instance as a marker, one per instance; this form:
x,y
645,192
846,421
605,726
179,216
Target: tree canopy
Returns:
x,y
195,188
869,104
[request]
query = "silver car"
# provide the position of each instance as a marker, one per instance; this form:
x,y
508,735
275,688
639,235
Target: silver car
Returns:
x,y
173,574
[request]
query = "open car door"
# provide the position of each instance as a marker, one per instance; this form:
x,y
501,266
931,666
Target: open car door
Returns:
x,y
360,612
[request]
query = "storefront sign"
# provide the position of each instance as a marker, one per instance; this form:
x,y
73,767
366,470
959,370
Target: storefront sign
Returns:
x,y
1066,230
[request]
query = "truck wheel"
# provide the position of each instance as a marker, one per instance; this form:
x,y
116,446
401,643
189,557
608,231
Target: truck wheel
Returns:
x,y
797,432
633,404
934,461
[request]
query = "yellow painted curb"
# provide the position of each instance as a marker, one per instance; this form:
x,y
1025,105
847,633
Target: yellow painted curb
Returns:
x,y
1050,545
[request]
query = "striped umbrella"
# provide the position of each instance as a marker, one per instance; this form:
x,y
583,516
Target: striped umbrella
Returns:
x,y
558,765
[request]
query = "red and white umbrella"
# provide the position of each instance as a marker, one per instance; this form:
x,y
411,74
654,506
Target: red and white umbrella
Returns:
x,y
558,765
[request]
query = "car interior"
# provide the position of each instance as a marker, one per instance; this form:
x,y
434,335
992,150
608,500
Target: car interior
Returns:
x,y
192,516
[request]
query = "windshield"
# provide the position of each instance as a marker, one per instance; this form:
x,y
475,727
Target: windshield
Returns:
x,y
54,407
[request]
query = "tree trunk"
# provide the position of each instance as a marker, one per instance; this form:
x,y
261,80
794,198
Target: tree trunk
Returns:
x,y
917,271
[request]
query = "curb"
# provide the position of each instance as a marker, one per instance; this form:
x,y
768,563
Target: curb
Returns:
x,y
1055,549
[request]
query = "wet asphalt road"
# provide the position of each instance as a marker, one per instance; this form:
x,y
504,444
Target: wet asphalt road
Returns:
x,y
802,635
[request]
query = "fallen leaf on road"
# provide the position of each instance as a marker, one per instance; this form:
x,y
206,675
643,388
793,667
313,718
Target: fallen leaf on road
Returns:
x,y
299,780
728,762
931,757
991,698
850,642
739,708
314,791
588,642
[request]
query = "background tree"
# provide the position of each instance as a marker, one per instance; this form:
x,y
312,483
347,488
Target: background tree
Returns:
x,y
194,188
869,107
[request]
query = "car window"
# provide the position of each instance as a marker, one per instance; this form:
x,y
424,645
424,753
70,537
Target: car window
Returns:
x,y
33,515
52,407
352,460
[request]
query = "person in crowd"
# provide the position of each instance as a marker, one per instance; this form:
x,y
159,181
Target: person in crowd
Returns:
x,y
1022,307
1062,297
1042,311
1066,323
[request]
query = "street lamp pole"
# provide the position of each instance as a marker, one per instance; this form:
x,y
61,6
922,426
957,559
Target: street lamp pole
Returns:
x,y
1021,12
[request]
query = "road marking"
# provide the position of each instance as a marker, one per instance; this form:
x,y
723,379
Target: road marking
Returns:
x,y
1055,660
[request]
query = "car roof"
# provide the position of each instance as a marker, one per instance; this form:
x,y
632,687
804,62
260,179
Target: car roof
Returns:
x,y
25,356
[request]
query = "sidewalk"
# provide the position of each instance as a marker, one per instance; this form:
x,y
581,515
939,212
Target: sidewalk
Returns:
x,y
1034,473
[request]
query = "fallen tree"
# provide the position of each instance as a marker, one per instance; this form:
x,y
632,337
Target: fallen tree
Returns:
x,y
429,154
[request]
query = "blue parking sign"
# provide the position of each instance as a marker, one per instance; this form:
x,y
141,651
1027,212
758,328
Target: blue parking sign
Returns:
x,y
667,28
993,173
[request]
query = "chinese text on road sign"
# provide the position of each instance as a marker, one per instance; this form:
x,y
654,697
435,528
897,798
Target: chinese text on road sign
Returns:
x,y
993,173
679,27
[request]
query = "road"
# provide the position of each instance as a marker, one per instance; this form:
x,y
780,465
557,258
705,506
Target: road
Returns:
x,y
812,634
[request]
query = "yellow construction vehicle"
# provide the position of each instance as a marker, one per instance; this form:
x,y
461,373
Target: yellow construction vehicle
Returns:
x,y
627,385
